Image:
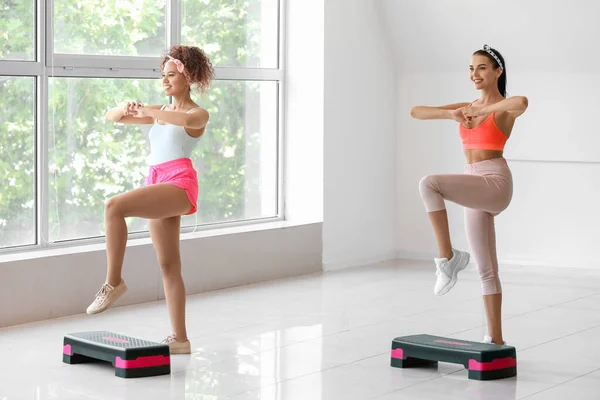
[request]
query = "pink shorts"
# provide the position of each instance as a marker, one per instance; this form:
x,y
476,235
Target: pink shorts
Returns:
x,y
180,173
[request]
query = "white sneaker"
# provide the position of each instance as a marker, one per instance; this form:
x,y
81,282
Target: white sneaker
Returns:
x,y
447,271
107,295
488,339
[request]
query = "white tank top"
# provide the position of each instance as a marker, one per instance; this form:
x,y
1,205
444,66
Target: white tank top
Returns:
x,y
169,142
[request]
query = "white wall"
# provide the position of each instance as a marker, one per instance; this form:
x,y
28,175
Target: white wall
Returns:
x,y
550,56
359,151
304,111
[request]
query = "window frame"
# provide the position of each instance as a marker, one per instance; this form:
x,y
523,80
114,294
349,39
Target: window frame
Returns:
x,y
48,65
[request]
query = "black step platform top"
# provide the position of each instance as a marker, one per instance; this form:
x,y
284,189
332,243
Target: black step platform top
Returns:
x,y
114,340
474,349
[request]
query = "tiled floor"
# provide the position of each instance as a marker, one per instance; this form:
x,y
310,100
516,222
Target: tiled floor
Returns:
x,y
327,337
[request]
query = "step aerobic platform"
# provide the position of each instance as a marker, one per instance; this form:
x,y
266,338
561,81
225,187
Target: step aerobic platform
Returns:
x,y
484,361
131,357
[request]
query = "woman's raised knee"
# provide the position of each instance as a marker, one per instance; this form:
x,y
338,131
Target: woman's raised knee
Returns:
x,y
112,207
426,182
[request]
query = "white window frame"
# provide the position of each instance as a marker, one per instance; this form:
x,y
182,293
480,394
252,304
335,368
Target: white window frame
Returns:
x,y
48,65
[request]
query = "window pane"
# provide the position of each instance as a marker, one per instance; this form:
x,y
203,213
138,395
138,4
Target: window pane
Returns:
x,y
110,27
237,157
17,161
17,30
90,158
234,33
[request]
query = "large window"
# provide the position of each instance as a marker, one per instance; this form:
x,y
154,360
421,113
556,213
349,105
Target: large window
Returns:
x,y
64,65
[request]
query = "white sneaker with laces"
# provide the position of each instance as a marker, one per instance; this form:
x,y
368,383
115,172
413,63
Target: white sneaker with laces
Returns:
x,y
447,271
106,296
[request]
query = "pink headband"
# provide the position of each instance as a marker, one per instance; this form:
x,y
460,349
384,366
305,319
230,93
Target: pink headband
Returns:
x,y
180,68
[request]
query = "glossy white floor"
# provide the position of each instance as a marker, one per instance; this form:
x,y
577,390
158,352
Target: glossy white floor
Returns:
x,y
327,337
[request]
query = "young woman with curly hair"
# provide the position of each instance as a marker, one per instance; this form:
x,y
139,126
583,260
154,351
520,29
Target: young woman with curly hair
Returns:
x,y
171,186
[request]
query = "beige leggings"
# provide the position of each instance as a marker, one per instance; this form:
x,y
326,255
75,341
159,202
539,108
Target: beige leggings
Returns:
x,y
485,190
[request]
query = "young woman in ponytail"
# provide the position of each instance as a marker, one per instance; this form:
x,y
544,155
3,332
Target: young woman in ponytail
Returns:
x,y
485,189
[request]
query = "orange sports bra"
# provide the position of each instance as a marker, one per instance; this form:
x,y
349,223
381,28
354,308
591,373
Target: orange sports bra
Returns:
x,y
485,136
